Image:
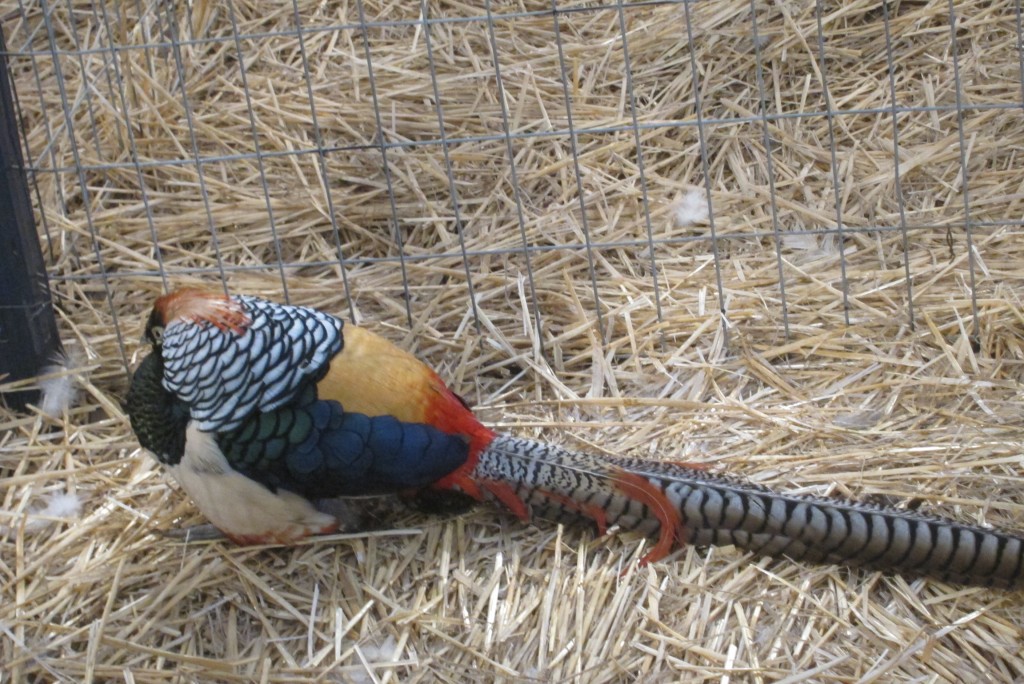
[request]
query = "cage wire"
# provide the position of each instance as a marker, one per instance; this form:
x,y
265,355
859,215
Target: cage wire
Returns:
x,y
474,170
105,168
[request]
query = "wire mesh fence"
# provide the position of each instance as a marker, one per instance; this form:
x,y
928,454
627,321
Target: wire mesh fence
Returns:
x,y
781,239
839,144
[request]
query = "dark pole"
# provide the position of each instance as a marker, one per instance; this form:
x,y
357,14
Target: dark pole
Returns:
x,y
28,328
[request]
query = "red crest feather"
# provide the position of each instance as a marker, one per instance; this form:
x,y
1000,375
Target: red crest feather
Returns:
x,y
202,306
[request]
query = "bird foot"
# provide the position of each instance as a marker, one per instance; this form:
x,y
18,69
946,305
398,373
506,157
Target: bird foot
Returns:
x,y
193,533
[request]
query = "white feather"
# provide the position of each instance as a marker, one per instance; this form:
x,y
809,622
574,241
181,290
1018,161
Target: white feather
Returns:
x,y
804,242
58,388
373,654
692,208
62,505
384,652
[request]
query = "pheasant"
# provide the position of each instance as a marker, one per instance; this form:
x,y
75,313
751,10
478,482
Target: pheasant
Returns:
x,y
261,410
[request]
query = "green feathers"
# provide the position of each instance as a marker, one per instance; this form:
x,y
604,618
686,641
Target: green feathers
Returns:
x,y
268,437
158,418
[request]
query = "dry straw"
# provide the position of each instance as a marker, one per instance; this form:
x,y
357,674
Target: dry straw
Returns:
x,y
928,414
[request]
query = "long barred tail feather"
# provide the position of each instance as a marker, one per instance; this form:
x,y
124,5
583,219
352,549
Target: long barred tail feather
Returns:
x,y
686,505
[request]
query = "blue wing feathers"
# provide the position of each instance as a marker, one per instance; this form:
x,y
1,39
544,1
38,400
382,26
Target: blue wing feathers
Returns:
x,y
315,448
364,454
385,436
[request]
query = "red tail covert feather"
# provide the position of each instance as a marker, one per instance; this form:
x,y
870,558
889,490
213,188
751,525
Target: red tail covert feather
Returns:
x,y
640,489
448,412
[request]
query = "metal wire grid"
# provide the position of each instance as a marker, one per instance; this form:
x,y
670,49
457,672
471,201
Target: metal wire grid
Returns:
x,y
41,46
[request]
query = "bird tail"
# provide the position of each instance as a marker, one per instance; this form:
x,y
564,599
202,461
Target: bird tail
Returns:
x,y
683,504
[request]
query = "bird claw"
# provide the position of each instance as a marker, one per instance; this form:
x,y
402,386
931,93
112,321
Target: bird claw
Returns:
x,y
348,515
193,533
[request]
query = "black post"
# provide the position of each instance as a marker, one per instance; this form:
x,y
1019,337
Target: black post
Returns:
x,y
28,328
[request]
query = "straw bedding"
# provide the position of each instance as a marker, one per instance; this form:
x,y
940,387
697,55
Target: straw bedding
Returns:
x,y
925,414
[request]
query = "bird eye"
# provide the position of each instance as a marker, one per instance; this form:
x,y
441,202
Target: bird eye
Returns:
x,y
157,334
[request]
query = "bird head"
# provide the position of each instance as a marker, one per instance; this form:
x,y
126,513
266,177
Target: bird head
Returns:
x,y
154,333
196,306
